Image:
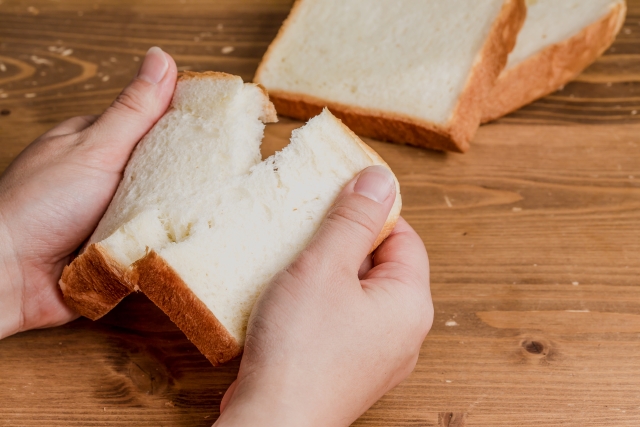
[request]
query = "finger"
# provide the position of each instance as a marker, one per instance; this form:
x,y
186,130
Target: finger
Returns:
x,y
366,265
402,256
136,109
403,246
228,395
354,222
73,125
51,143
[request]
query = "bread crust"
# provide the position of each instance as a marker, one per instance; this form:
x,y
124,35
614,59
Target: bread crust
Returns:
x,y
552,67
500,43
218,75
370,123
162,285
94,283
392,127
269,113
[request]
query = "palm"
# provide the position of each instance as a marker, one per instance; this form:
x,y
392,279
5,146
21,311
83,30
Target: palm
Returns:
x,y
65,197
54,194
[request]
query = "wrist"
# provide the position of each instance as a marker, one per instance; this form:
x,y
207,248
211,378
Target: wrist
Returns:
x,y
268,402
10,284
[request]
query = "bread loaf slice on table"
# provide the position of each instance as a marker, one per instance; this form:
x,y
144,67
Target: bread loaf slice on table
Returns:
x,y
560,38
203,250
405,71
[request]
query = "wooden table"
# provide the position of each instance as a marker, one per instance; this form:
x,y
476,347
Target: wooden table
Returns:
x,y
534,237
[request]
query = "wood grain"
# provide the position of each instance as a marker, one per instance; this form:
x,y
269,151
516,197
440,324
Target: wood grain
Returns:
x,y
534,238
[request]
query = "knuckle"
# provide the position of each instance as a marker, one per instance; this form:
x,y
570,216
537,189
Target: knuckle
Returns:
x,y
256,345
420,311
426,323
411,363
130,101
304,262
424,318
314,264
305,272
86,120
356,219
418,314
47,148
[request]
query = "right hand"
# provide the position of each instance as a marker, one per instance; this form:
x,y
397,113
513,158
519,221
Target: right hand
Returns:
x,y
332,334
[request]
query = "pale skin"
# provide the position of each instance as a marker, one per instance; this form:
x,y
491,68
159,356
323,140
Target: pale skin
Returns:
x,y
331,334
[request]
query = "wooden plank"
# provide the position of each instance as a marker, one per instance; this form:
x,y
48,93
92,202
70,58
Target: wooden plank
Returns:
x,y
534,238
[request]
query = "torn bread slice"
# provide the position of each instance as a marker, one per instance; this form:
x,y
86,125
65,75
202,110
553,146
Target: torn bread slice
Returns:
x,y
203,252
211,132
405,71
560,38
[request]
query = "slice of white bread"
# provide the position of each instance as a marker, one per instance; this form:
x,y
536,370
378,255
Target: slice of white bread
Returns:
x,y
405,71
203,250
560,38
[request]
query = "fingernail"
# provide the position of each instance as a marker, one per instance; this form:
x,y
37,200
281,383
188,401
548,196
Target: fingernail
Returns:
x,y
154,67
375,183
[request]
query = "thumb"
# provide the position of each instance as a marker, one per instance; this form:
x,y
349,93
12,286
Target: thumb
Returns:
x,y
228,395
136,109
355,221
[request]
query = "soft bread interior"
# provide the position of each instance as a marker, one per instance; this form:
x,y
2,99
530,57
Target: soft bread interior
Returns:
x,y
404,57
212,132
553,21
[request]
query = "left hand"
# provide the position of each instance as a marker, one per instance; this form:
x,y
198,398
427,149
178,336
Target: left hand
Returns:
x,y
54,194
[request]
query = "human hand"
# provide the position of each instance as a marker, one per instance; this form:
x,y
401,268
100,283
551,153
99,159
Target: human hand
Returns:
x,y
332,334
53,195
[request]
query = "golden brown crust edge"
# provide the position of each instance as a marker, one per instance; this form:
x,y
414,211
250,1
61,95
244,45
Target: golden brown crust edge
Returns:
x,y
553,67
270,115
162,285
193,75
495,52
402,129
369,123
94,283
